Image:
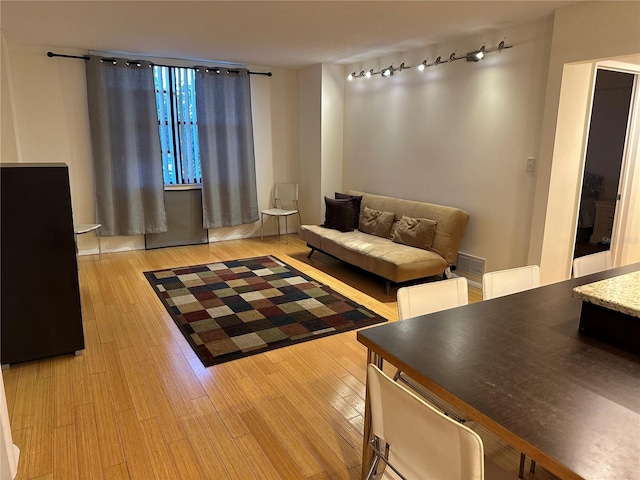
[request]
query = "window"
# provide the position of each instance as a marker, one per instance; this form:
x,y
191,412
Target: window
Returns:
x,y
177,124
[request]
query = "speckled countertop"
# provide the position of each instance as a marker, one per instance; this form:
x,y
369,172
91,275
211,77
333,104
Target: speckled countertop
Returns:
x,y
621,293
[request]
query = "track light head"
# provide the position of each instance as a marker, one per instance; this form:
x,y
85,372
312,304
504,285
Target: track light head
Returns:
x,y
351,76
369,73
387,72
423,65
476,56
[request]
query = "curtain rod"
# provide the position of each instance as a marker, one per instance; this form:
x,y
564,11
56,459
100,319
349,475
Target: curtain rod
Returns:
x,y
87,57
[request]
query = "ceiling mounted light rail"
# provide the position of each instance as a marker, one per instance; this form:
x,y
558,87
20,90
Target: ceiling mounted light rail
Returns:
x,y
474,56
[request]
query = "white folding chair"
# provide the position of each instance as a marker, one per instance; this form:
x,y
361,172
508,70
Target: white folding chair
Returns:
x,y
513,280
594,263
505,282
416,441
285,204
429,298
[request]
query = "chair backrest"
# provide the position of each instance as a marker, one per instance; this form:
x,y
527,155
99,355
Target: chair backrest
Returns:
x,y
514,280
424,443
596,262
285,195
432,297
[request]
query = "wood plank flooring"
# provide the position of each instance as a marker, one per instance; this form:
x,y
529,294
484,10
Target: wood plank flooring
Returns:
x,y
138,404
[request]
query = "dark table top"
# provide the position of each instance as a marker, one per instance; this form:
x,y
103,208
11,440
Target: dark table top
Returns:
x,y
518,366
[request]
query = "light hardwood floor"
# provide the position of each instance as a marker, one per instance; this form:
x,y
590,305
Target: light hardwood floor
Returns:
x,y
138,404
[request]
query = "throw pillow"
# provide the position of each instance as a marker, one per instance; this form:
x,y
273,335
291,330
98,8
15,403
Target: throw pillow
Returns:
x,y
356,200
416,232
338,214
376,222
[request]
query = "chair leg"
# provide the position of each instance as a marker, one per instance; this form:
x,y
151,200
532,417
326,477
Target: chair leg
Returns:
x,y
262,227
311,252
521,470
532,468
286,229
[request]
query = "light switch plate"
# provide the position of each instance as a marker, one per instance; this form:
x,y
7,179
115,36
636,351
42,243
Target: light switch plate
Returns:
x,y
531,164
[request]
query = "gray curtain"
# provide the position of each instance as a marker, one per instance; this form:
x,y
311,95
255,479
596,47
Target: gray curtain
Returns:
x,y
126,147
225,134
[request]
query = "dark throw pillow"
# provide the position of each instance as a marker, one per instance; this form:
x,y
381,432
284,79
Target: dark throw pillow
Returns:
x,y
338,214
356,200
415,232
376,222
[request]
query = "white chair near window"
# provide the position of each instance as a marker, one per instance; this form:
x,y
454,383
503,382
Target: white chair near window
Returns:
x,y
81,228
513,280
285,204
414,440
428,298
594,263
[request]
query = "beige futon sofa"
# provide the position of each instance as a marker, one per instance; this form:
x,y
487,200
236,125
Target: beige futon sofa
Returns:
x,y
393,261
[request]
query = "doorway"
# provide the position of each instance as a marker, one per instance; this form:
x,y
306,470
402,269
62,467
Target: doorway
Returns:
x,y
603,162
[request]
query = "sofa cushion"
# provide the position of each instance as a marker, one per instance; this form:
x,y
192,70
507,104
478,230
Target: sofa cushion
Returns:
x,y
356,200
393,261
338,214
376,222
416,232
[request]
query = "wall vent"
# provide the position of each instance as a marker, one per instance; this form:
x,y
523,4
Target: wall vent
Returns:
x,y
471,264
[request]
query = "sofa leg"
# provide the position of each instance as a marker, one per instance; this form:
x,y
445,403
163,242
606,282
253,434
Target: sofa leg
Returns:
x,y
387,286
311,252
447,273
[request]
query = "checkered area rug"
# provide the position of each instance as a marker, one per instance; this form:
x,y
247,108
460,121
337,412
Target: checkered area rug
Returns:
x,y
227,310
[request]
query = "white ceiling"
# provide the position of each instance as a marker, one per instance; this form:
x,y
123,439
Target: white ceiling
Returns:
x,y
289,34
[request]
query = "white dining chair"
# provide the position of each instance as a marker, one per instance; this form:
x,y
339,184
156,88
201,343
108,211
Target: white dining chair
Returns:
x,y
428,298
432,297
285,204
594,263
506,282
414,440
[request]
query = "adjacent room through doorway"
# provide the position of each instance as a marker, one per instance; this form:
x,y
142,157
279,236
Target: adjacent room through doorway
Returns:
x,y
603,163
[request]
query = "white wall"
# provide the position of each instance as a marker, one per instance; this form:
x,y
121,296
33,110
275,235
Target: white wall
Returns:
x,y
321,133
332,129
456,134
583,34
49,123
310,142
8,152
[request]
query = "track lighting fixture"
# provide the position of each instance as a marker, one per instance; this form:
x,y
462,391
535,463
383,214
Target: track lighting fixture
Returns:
x,y
426,63
362,74
474,56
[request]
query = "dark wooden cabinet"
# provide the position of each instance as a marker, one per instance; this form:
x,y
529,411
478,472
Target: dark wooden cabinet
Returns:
x,y
40,313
